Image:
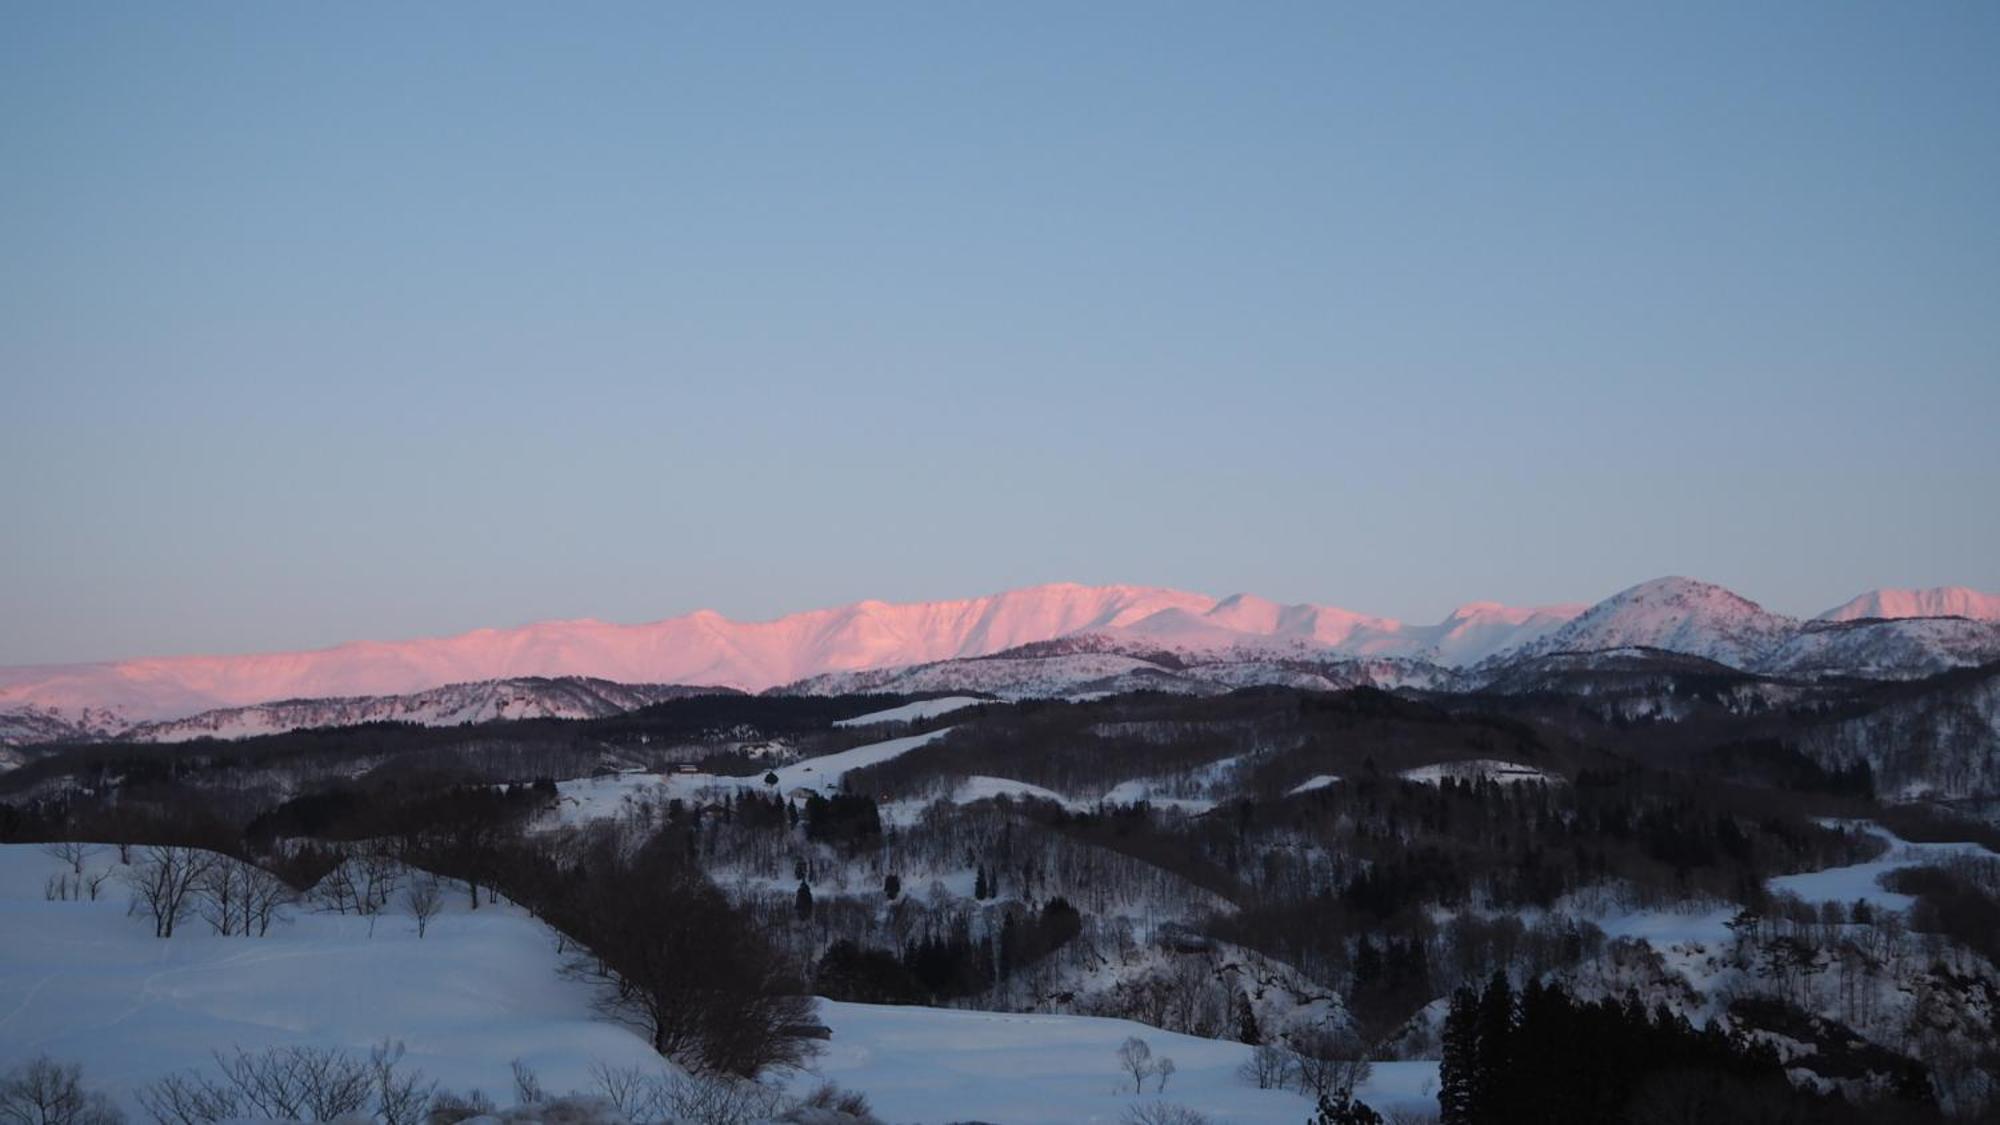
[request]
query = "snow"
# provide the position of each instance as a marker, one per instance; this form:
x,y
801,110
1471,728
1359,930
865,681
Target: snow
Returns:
x,y
1489,769
1863,881
1676,614
978,788
1938,601
1318,781
706,648
82,981
582,800
927,1064
910,712
700,648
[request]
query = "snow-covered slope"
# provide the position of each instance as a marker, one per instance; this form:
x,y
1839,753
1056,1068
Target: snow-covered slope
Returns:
x,y
531,697
1677,615
1884,649
1938,601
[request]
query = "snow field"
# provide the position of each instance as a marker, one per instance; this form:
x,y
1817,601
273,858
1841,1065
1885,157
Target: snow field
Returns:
x,y
910,712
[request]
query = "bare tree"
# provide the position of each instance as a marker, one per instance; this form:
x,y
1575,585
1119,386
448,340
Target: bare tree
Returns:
x,y
44,1092
219,896
72,852
1269,1067
1136,1059
423,896
264,896
402,1097
630,1090
164,880
293,1084
527,1085
1329,1064
1163,1069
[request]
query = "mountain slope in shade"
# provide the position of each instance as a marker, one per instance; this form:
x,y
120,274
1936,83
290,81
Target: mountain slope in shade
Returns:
x,y
1938,601
1884,649
533,697
1678,615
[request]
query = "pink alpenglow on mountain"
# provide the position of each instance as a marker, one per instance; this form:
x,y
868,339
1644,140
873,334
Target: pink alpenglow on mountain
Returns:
x,y
1117,630
1938,601
709,649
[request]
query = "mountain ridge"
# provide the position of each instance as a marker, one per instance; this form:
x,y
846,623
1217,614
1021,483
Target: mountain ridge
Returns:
x,y
1255,636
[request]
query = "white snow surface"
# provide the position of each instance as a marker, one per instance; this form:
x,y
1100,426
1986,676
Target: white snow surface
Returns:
x,y
1489,769
582,800
932,1065
1318,781
1863,881
1938,601
909,712
83,982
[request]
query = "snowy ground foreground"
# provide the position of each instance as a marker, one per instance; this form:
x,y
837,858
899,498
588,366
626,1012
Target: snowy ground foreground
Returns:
x,y
1490,769
910,712
927,1064
81,981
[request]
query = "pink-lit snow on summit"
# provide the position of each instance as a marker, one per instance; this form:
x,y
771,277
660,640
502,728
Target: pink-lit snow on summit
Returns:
x,y
706,648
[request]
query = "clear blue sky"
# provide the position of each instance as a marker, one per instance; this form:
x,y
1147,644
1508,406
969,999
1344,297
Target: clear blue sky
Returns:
x,y
330,321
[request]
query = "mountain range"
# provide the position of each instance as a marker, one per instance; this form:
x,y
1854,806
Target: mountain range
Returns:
x,y
1044,640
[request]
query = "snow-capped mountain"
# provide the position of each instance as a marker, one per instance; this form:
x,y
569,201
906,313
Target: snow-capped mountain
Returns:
x,y
1140,636
1106,664
532,697
1884,648
1938,601
700,648
1677,615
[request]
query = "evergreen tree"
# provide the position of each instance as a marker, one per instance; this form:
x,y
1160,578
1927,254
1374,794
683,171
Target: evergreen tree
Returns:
x,y
1343,1109
1458,1070
803,902
892,886
1247,1030
1493,1091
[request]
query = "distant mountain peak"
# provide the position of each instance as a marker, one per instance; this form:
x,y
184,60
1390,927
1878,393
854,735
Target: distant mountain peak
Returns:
x,y
1263,638
1937,601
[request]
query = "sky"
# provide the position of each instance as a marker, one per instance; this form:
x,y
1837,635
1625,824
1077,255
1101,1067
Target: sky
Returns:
x,y
322,322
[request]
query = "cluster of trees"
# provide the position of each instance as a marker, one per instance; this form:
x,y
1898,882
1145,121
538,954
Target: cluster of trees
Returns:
x,y
169,883
1542,1055
672,954
946,965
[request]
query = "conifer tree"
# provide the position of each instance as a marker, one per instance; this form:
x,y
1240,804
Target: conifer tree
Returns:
x,y
1458,1070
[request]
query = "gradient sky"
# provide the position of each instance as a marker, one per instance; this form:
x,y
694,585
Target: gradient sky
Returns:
x,y
329,321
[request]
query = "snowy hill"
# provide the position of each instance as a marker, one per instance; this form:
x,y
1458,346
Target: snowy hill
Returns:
x,y
533,697
1938,601
1884,649
1677,615
83,981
